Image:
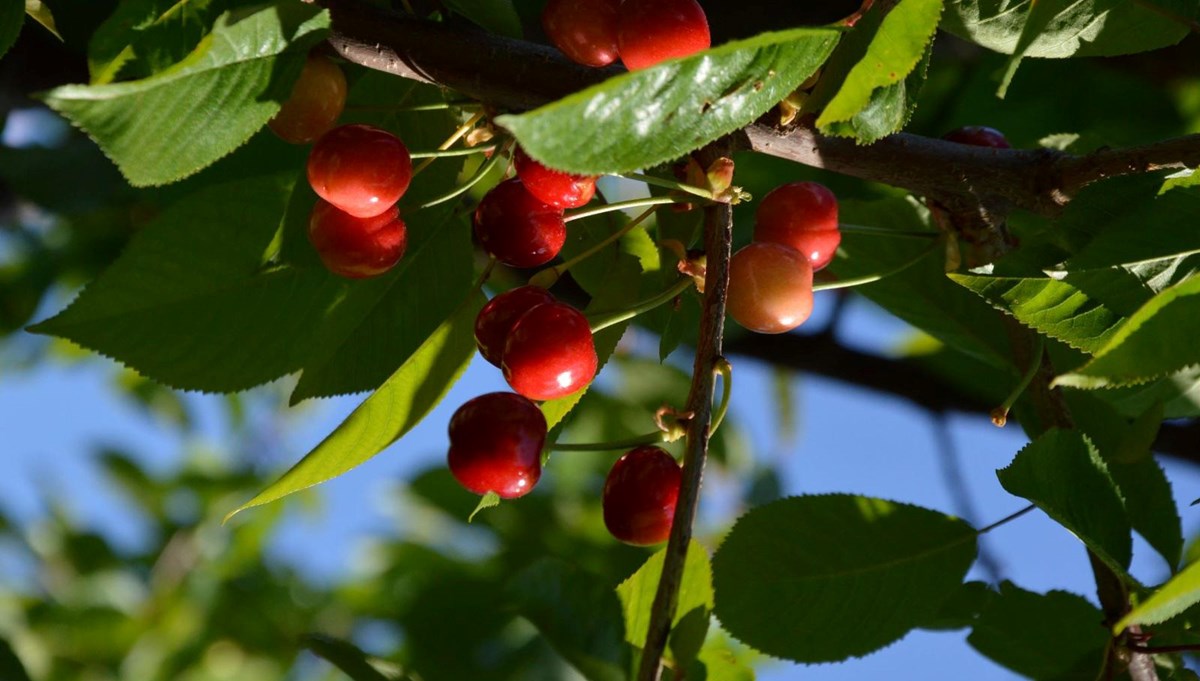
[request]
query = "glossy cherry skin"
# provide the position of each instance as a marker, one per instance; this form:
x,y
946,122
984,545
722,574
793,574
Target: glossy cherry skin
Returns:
x,y
640,494
496,444
584,30
802,215
978,136
317,100
357,247
651,31
550,352
770,288
496,320
518,228
553,187
360,169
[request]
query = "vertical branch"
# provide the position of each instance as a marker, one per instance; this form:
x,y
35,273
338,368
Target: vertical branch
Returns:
x,y
718,237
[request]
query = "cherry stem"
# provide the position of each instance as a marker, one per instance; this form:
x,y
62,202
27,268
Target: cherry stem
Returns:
x,y
437,106
483,171
628,443
1005,520
725,370
548,276
620,205
446,153
603,320
1000,414
485,274
884,231
454,137
671,184
871,278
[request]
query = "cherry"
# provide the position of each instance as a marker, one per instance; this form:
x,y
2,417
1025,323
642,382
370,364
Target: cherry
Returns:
x,y
585,30
495,321
360,169
651,31
550,352
317,100
357,247
554,187
640,495
802,215
496,444
770,287
518,228
979,136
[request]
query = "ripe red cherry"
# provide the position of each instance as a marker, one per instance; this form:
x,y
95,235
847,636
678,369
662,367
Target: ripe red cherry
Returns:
x,y
802,215
495,321
640,495
360,169
585,30
357,247
770,287
651,31
556,188
517,228
317,100
979,136
496,444
549,353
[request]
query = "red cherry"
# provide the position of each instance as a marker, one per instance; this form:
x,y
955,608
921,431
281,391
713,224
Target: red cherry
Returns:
x,y
360,169
317,100
640,495
517,228
770,287
585,30
496,444
802,215
495,321
357,247
559,189
651,31
978,136
550,352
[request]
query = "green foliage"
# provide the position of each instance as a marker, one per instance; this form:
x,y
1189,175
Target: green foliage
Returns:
x,y
1178,594
12,14
147,36
1055,636
178,121
1062,473
497,16
346,657
658,114
854,574
695,592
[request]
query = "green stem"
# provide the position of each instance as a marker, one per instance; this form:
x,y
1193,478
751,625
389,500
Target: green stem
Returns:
x,y
628,443
548,276
1006,519
725,370
870,278
1000,414
604,320
620,205
439,106
475,179
454,137
884,231
670,184
444,153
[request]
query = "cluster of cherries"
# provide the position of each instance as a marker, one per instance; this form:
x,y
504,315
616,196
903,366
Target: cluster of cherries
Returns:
x,y
641,33
771,280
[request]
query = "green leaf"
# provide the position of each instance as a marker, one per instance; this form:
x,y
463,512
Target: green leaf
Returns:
x,y
157,32
11,668
897,46
577,613
1062,473
1052,307
962,608
641,119
172,124
1124,221
1157,340
1063,28
1172,598
497,16
390,412
889,109
488,500
347,657
637,592
824,578
1056,636
12,15
39,12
